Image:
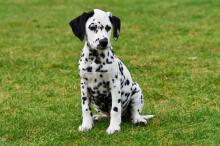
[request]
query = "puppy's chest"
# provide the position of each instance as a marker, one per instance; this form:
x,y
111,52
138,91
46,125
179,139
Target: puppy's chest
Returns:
x,y
98,84
97,81
93,67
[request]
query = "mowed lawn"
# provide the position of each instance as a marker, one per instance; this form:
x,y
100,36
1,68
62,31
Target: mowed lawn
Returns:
x,y
171,47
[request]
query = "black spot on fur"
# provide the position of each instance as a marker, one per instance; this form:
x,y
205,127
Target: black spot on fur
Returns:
x,y
101,27
84,98
127,82
115,109
93,53
127,94
99,84
119,100
97,61
102,55
101,75
99,69
120,68
106,84
142,101
89,69
108,62
107,28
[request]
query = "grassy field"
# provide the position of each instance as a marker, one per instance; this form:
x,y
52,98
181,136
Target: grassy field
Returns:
x,y
171,47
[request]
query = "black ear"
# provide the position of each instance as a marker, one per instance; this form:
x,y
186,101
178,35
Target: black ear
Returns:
x,y
78,24
116,23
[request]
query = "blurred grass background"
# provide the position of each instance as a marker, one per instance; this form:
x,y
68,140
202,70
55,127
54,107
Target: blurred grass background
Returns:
x,y
171,47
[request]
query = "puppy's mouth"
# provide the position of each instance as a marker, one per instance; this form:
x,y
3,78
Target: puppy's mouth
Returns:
x,y
99,47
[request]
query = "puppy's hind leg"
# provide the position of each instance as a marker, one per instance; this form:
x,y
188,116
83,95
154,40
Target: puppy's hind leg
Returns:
x,y
137,103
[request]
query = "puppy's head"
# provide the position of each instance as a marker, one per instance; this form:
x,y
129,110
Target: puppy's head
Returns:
x,y
95,28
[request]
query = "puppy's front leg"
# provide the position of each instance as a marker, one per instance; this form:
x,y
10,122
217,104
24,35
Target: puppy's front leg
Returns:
x,y
87,122
115,114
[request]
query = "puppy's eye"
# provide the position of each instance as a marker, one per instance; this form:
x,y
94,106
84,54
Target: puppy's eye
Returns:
x,y
107,28
92,27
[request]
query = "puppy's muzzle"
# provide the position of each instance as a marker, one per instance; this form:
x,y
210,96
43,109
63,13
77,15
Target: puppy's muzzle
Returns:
x,y
103,43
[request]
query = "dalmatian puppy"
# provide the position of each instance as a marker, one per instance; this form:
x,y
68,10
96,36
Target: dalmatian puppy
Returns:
x,y
105,80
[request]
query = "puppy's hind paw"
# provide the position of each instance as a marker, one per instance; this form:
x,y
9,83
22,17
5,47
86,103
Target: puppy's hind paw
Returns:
x,y
139,120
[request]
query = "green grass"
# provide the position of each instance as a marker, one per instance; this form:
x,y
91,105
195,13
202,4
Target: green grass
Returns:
x,y
171,47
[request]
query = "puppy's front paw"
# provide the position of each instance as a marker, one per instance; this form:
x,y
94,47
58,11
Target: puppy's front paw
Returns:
x,y
85,127
112,129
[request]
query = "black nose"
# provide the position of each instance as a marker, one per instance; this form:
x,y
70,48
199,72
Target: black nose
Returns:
x,y
103,42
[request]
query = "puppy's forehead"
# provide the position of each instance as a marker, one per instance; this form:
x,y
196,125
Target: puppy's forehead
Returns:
x,y
99,16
